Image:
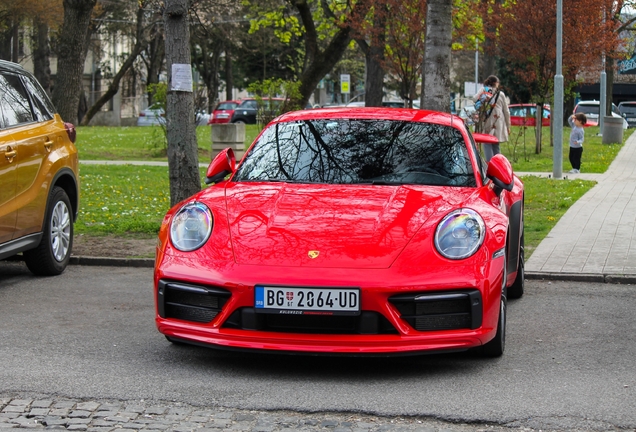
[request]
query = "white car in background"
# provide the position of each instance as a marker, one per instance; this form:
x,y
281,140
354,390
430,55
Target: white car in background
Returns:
x,y
157,117
151,117
591,109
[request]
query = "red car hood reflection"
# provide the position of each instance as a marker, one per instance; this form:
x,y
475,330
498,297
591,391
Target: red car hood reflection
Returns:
x,y
328,226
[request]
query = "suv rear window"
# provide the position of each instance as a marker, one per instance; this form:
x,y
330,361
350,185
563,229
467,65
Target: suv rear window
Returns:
x,y
14,101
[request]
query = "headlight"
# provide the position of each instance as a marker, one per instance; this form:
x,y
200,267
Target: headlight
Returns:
x,y
460,234
191,227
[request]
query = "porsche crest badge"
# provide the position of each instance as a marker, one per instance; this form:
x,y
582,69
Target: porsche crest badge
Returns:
x,y
313,254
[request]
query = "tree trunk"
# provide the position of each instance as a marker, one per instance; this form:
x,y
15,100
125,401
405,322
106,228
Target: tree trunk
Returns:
x,y
42,54
71,54
15,49
156,54
538,129
374,56
609,85
436,67
229,76
183,158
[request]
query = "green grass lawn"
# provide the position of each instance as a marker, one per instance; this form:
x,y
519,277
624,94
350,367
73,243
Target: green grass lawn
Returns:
x,y
139,143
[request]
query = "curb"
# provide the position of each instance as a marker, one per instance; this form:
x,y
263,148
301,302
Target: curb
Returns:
x,y
112,262
583,277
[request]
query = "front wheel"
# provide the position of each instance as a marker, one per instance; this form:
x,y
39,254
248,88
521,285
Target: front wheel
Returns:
x,y
52,255
515,290
496,347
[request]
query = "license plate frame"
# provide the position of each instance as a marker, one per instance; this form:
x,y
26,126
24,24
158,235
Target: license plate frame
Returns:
x,y
284,300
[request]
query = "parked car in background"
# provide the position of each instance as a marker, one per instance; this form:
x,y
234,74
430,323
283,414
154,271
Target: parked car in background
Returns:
x,y
276,255
39,193
223,111
468,114
591,110
151,117
246,112
628,111
157,117
526,114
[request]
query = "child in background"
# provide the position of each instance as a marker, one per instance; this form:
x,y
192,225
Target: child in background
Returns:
x,y
483,97
576,121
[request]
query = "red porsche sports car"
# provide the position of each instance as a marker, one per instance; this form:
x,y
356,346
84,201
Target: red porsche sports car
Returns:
x,y
370,231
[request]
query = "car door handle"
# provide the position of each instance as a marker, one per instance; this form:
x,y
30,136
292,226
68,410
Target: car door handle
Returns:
x,y
10,154
47,144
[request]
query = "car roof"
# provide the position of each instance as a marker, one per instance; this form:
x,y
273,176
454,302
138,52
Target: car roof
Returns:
x,y
11,67
374,113
228,101
589,102
627,103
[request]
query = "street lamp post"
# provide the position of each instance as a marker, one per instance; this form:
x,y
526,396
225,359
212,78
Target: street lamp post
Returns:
x,y
557,115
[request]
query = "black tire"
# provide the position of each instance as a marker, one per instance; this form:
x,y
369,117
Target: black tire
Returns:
x,y
497,346
52,255
515,290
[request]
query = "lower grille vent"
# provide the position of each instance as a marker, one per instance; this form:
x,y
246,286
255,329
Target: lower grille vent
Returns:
x,y
365,323
440,310
190,302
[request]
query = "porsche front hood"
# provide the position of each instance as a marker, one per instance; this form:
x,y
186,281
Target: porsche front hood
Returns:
x,y
327,226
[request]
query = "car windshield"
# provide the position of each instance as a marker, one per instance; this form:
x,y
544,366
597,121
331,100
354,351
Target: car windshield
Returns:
x,y
352,151
628,108
587,109
226,106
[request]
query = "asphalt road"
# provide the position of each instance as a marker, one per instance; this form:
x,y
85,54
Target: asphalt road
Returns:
x,y
89,333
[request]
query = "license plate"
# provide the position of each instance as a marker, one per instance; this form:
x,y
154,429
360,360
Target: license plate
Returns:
x,y
307,301
223,116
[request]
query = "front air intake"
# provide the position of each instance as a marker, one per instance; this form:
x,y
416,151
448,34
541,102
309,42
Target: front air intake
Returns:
x,y
190,302
454,310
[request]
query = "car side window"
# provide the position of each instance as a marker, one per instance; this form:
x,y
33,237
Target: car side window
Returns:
x,y
42,105
14,101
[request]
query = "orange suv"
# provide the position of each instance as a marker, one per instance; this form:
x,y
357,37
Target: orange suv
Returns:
x,y
39,186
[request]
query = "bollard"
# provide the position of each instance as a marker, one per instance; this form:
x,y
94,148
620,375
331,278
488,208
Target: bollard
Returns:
x,y
228,135
612,130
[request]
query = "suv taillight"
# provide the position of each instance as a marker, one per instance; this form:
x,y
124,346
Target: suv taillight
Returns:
x,y
70,130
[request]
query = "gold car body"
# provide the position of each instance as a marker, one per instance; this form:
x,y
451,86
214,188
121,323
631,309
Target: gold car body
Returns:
x,y
35,156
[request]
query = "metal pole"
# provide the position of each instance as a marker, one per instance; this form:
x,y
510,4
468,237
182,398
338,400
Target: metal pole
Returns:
x,y
557,116
602,108
476,64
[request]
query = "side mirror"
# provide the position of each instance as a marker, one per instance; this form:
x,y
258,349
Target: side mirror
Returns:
x,y
482,138
500,172
223,164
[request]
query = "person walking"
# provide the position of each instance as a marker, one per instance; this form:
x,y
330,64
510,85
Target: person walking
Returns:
x,y
494,116
576,122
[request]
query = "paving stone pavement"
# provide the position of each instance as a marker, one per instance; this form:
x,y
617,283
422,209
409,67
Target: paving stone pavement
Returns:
x,y
61,414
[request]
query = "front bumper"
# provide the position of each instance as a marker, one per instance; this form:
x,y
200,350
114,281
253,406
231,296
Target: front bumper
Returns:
x,y
447,313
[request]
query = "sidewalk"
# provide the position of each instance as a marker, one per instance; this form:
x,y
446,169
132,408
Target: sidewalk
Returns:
x,y
595,240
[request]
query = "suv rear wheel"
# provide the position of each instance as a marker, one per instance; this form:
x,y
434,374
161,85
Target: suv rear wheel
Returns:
x,y
53,253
